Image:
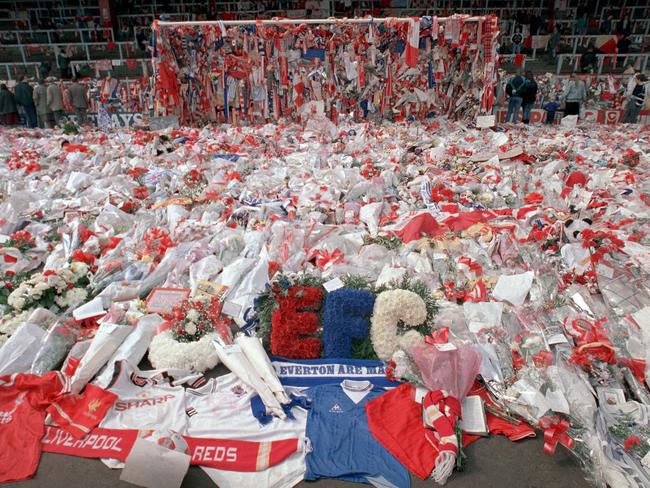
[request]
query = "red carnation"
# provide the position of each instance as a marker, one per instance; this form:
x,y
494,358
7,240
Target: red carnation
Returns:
x,y
631,442
140,192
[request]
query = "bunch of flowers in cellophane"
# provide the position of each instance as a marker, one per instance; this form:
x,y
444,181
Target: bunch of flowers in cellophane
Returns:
x,y
24,250
20,335
623,286
185,342
625,436
154,245
448,372
573,420
246,357
54,347
52,289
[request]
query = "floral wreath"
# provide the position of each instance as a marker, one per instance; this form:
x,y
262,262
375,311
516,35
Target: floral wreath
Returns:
x,y
297,318
185,339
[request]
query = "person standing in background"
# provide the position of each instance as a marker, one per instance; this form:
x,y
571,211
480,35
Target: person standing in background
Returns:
x,y
581,25
517,39
554,42
529,96
79,100
514,90
25,100
63,61
636,100
575,95
8,108
40,102
551,108
55,101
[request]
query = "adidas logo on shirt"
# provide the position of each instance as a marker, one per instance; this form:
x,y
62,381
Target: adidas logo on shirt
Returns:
x,y
336,408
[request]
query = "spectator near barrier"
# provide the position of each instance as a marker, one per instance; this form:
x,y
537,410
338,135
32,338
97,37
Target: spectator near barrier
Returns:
x,y
25,100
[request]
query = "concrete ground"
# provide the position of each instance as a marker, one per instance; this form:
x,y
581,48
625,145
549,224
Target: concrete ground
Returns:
x,y
492,462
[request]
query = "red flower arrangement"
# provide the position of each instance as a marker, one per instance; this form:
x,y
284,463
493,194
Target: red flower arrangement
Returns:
x,y
21,240
603,242
294,320
84,257
631,442
130,206
156,243
368,171
193,318
440,193
140,192
137,173
24,160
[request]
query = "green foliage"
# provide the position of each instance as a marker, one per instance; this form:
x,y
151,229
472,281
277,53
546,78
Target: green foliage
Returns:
x,y
70,128
389,242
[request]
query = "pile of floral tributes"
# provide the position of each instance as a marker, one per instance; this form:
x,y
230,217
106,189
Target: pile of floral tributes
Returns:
x,y
519,259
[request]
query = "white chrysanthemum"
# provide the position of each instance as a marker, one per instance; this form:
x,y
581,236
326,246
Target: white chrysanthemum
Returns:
x,y
390,307
9,324
75,296
165,352
67,275
193,315
56,282
16,299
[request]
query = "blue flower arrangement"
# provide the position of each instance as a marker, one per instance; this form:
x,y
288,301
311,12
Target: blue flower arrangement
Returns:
x,y
346,317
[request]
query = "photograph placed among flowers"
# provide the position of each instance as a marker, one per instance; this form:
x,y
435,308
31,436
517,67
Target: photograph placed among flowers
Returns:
x,y
185,340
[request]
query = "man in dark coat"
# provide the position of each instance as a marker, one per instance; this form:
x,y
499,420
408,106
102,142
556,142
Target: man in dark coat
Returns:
x,y
529,96
25,100
8,108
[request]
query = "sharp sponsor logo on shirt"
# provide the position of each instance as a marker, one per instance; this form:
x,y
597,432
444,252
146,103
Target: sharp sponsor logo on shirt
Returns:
x,y
204,454
336,408
149,402
58,437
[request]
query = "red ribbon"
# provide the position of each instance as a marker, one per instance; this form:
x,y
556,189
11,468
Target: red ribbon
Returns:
x,y
592,342
472,265
440,336
325,259
555,431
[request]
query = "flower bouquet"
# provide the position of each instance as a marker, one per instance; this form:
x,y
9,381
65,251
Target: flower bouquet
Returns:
x,y
54,290
186,339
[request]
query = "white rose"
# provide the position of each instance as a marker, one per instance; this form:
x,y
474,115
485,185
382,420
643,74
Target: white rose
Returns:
x,y
60,301
190,328
193,315
56,282
67,275
79,269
